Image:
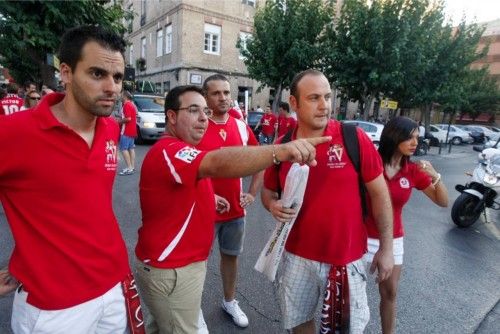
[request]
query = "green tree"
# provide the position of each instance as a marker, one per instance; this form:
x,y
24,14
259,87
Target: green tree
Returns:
x,y
446,65
473,92
364,61
423,31
30,30
286,40
402,49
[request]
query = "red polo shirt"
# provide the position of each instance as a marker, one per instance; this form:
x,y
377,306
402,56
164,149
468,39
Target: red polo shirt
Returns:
x,y
268,123
329,227
285,124
400,185
232,132
56,193
178,209
129,111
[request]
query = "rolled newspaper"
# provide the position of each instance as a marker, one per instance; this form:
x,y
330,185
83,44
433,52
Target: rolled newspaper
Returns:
x,y
292,196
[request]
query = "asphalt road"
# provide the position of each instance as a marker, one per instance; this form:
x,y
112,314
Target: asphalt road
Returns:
x,y
450,280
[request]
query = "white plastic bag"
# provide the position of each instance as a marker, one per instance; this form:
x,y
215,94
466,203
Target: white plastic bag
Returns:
x,y
292,196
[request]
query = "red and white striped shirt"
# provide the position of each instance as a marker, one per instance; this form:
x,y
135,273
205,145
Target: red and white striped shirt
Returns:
x,y
178,209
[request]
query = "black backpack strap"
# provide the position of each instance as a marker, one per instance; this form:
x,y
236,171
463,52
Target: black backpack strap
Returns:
x,y
351,143
287,137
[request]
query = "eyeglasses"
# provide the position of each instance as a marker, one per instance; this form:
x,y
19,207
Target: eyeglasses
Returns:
x,y
34,98
198,110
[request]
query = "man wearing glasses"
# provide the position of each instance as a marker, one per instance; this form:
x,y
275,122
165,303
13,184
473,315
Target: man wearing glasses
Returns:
x,y
178,207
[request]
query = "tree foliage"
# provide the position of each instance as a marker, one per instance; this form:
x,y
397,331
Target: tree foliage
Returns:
x,y
474,92
286,40
30,30
365,59
446,59
404,50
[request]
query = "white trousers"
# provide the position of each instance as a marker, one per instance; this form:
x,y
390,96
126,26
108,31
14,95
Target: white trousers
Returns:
x,y
104,314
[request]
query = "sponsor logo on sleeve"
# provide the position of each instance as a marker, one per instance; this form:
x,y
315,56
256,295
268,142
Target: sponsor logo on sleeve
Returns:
x,y
187,154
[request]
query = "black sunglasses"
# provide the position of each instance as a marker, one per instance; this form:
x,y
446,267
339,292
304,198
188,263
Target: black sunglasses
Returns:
x,y
34,98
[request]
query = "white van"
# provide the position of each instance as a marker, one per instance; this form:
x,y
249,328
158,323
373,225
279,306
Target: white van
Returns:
x,y
150,116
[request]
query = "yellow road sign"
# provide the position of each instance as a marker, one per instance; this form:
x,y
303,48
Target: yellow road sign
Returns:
x,y
389,104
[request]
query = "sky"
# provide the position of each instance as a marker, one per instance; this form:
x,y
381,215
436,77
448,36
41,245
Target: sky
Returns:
x,y
481,10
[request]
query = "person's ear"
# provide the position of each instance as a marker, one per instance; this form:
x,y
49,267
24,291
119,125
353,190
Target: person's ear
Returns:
x,y
293,102
171,116
66,73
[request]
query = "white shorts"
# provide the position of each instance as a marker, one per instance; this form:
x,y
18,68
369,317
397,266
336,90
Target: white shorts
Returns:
x,y
398,250
302,286
104,314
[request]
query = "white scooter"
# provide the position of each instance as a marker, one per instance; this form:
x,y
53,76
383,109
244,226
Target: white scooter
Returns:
x,y
479,194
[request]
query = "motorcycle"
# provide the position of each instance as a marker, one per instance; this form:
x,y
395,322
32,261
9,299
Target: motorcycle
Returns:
x,y
479,194
422,147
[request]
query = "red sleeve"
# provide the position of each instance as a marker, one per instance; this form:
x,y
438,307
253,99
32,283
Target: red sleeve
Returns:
x,y
275,120
420,179
233,112
252,141
183,162
371,163
128,110
271,178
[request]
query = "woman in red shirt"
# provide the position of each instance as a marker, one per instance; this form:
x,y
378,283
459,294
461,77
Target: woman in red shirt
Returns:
x,y
398,143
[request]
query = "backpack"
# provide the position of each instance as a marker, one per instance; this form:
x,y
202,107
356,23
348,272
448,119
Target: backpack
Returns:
x,y
351,144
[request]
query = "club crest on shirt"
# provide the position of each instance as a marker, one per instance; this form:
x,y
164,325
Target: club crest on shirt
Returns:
x,y
111,154
335,153
187,154
223,134
404,183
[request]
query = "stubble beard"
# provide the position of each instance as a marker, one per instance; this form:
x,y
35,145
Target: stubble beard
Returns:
x,y
88,104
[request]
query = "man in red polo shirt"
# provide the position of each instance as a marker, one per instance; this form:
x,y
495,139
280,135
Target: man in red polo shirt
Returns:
x,y
268,123
128,133
285,120
224,131
11,103
328,233
69,255
178,207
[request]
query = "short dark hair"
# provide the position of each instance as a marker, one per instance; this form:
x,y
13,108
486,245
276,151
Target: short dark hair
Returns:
x,y
296,79
214,77
285,106
73,41
172,100
396,131
12,88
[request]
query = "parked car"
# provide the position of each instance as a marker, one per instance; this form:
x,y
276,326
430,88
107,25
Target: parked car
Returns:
x,y
456,136
476,134
487,132
373,130
150,117
253,118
